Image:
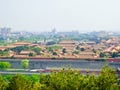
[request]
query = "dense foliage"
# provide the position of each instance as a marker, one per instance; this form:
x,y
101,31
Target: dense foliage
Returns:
x,y
75,52
4,53
54,47
62,80
25,63
20,48
4,65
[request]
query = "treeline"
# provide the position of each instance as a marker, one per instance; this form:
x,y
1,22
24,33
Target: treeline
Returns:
x,y
7,65
4,53
63,80
20,48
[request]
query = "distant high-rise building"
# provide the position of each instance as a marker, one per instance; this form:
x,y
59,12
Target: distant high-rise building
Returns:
x,y
5,32
54,30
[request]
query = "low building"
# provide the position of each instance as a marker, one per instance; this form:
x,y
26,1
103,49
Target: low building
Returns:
x,y
21,43
3,48
68,44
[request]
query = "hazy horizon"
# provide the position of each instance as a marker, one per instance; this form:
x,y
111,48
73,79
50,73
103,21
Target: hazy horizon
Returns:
x,y
65,15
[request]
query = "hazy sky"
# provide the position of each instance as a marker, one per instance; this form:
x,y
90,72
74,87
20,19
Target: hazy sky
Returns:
x,y
79,15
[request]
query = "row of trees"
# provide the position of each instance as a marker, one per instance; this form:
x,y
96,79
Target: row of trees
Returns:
x,y
7,65
4,65
63,80
4,53
113,55
20,48
53,48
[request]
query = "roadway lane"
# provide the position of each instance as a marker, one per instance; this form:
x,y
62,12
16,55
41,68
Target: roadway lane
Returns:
x,y
12,73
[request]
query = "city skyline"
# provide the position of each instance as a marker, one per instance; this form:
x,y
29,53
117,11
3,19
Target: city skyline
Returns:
x,y
64,15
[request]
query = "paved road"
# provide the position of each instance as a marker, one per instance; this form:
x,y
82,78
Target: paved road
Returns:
x,y
12,73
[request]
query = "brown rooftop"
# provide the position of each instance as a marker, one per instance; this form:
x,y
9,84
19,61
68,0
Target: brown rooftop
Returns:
x,y
26,52
67,42
21,43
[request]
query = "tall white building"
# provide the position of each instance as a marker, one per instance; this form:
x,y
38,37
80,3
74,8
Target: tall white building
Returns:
x,y
5,32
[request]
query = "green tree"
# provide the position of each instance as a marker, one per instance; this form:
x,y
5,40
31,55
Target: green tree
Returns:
x,y
21,38
102,54
4,65
19,82
37,50
74,80
3,83
64,50
34,78
107,80
4,53
76,52
54,47
54,53
7,77
65,79
114,54
20,48
82,49
25,63
31,54
78,47
94,50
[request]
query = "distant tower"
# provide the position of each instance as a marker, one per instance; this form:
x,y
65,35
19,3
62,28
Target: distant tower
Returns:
x,y
5,32
54,31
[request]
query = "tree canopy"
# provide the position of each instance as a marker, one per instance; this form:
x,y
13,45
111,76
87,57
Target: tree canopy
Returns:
x,y
25,63
62,80
4,65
